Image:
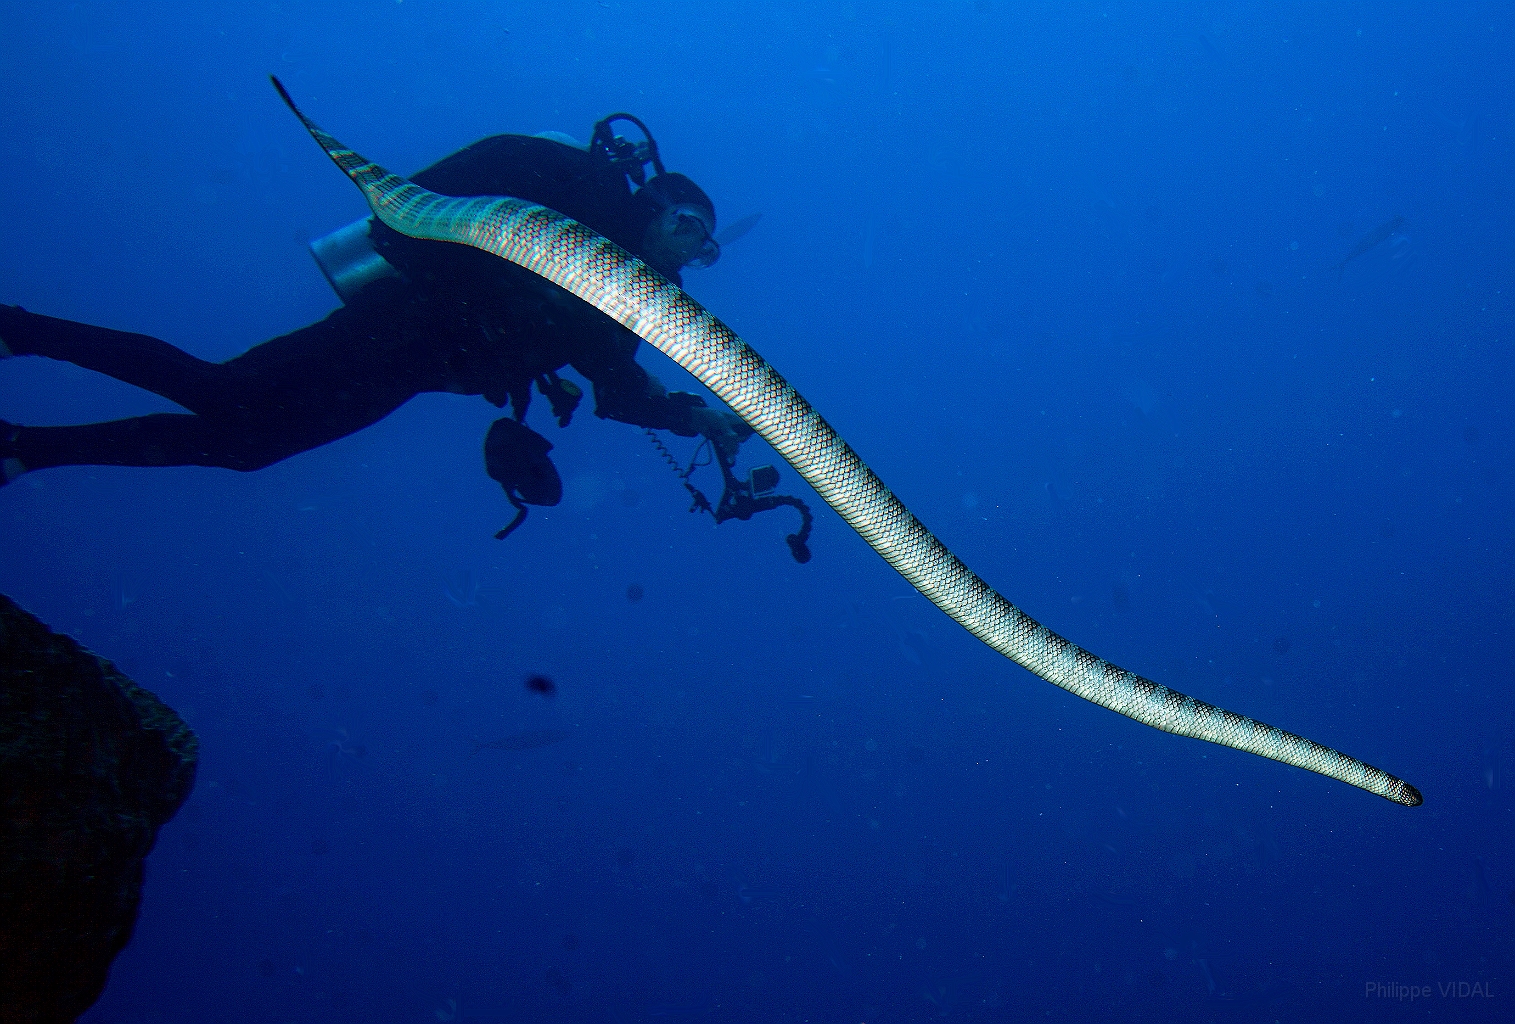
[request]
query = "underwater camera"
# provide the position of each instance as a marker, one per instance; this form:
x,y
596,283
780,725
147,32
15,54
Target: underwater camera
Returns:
x,y
763,480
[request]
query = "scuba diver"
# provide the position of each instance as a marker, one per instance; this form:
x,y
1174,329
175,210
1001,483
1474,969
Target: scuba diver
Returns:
x,y
421,316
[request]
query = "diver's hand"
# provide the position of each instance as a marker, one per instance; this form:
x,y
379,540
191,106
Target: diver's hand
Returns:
x,y
726,430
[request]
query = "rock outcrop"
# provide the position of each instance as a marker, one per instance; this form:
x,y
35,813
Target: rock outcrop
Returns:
x,y
91,765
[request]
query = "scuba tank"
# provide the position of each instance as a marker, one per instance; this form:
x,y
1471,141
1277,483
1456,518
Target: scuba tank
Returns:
x,y
350,262
348,259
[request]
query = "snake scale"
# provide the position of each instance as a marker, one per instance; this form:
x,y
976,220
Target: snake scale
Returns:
x,y
620,285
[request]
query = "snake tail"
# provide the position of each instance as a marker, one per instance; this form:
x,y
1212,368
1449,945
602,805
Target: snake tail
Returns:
x,y
623,287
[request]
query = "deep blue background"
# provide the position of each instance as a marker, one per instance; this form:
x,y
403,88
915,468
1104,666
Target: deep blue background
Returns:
x,y
1063,274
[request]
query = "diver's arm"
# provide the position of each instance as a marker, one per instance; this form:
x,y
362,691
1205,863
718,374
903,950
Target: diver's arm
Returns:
x,y
627,393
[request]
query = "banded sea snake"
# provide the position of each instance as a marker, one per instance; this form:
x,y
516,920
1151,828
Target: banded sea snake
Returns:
x,y
620,285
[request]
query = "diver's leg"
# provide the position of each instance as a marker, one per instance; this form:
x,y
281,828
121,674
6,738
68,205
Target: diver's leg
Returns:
x,y
135,359
162,439
245,442
242,438
283,397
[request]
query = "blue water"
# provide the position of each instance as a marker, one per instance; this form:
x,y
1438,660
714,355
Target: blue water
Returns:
x,y
1063,274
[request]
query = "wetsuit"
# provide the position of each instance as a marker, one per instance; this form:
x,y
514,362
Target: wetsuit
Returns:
x,y
457,320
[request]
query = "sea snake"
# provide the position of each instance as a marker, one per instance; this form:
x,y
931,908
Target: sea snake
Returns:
x,y
624,288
